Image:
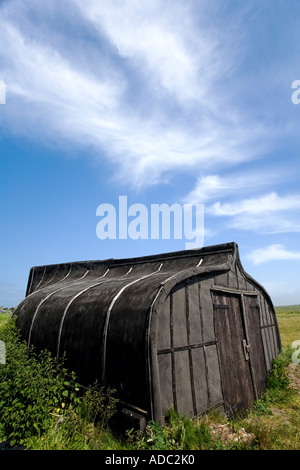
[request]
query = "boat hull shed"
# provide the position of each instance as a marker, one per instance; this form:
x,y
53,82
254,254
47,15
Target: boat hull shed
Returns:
x,y
190,330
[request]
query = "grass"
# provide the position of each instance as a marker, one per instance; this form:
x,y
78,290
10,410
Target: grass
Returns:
x,y
272,424
288,318
60,418
4,317
43,407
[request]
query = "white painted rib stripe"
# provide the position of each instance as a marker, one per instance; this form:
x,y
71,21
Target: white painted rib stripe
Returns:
x,y
61,288
74,298
44,300
68,306
31,281
37,310
41,279
87,271
67,275
51,279
109,310
34,292
200,262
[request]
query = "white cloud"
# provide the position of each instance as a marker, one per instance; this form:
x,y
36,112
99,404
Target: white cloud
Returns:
x,y
268,214
183,116
207,187
268,203
213,186
272,253
161,41
55,90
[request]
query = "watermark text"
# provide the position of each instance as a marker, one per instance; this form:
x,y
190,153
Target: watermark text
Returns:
x,y
160,222
296,94
2,353
2,92
296,354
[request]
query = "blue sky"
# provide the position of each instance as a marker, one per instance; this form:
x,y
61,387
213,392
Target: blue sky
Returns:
x,y
167,101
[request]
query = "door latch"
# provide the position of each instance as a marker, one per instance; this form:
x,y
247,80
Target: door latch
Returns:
x,y
246,348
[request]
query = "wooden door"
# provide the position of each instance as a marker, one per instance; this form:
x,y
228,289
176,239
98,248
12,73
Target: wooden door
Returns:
x,y
256,350
237,385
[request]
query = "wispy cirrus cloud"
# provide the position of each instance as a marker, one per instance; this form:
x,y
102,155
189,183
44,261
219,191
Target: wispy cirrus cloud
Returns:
x,y
148,97
162,42
212,187
268,214
261,205
230,203
273,252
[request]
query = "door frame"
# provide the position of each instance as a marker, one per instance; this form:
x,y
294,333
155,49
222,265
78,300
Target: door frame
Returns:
x,y
240,294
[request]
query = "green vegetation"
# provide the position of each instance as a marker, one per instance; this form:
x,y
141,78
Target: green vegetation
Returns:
x,y
272,424
289,324
5,314
43,408
288,309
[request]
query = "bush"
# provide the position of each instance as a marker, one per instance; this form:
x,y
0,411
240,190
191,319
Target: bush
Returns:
x,y
33,388
278,378
97,405
43,407
81,428
278,390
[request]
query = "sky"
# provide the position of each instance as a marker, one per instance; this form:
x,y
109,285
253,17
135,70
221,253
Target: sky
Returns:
x,y
164,102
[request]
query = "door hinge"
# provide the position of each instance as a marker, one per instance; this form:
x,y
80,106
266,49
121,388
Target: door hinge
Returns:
x,y
246,348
